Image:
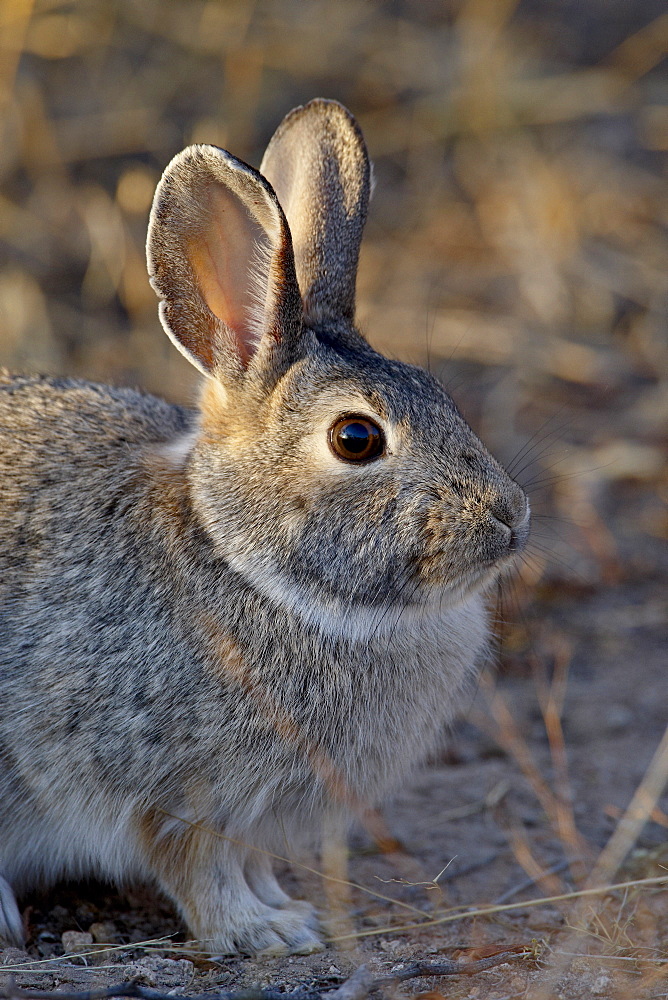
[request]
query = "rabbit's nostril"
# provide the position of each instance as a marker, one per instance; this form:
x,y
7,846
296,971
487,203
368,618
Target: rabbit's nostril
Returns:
x,y
513,514
511,509
503,516
502,512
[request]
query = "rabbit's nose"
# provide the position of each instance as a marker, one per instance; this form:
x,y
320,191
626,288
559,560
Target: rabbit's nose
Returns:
x,y
512,511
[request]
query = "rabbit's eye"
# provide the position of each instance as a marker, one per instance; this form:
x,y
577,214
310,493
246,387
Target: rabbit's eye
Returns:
x,y
356,439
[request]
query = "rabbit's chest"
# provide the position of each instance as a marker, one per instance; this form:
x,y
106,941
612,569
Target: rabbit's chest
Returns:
x,y
378,708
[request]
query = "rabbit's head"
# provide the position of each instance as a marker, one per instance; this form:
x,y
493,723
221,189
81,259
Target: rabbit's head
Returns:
x,y
335,481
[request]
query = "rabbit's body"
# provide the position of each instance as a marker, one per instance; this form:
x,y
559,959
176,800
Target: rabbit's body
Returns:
x,y
213,630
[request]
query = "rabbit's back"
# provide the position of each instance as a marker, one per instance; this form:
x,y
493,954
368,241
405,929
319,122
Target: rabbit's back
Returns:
x,y
52,427
65,446
80,591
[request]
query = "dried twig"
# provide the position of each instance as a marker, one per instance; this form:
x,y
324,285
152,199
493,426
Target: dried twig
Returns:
x,y
637,813
359,985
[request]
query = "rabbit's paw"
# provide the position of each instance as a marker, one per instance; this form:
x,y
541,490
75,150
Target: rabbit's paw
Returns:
x,y
263,883
11,925
269,931
295,932
306,910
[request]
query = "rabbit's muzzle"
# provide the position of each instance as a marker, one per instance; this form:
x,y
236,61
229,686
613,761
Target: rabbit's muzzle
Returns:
x,y
503,525
470,533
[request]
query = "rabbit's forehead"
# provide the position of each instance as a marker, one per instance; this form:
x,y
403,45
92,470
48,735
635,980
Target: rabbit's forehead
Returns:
x,y
397,393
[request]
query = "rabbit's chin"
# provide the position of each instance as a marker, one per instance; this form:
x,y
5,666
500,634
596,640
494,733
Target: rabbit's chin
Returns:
x,y
343,617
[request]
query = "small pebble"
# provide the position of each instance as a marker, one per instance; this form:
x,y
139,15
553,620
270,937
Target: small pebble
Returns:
x,y
76,941
162,972
104,932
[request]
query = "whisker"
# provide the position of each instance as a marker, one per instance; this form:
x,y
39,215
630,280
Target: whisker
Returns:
x,y
569,475
535,438
534,457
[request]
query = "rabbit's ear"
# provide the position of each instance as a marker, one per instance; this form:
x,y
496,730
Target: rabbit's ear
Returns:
x,y
318,165
220,259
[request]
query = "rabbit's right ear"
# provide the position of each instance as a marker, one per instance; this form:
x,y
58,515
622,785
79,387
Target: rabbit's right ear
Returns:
x,y
220,259
318,166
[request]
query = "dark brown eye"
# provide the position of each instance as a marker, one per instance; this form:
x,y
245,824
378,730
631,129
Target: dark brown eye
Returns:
x,y
356,439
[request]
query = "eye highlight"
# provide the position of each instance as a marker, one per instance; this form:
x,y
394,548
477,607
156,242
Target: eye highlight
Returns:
x,y
356,439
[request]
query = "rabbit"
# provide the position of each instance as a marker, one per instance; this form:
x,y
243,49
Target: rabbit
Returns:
x,y
223,629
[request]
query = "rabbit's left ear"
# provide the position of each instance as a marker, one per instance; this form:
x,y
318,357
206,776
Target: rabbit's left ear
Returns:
x,y
318,166
220,258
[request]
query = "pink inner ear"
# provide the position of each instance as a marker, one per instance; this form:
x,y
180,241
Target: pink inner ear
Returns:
x,y
224,253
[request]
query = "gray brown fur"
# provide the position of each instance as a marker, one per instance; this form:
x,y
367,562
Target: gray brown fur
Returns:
x,y
213,632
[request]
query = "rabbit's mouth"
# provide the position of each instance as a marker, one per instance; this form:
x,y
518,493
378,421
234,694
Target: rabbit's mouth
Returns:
x,y
465,554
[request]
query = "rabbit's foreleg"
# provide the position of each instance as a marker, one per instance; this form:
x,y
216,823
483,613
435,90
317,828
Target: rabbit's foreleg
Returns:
x,y
206,875
264,884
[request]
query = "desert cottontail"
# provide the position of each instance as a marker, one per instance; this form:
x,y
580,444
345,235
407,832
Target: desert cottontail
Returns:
x,y
220,627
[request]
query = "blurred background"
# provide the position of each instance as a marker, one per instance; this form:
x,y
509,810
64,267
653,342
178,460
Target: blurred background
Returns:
x,y
517,240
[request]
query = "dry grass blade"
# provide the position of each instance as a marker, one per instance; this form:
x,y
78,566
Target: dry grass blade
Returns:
x,y
464,913
636,816
551,698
